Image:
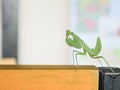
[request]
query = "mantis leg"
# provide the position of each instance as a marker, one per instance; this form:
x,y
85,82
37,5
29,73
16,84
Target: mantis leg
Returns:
x,y
97,57
100,62
77,60
76,53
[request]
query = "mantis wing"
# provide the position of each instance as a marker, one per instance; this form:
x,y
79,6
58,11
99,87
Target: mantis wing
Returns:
x,y
87,49
96,51
98,46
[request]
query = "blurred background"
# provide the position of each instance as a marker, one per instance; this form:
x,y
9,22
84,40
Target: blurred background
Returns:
x,y
98,18
33,31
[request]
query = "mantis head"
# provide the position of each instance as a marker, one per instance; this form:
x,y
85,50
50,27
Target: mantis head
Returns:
x,y
72,39
67,33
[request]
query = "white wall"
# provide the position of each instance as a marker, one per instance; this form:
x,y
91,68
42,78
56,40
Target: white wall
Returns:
x,y
42,25
0,32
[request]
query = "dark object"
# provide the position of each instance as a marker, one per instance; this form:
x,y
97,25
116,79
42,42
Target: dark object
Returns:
x,y
109,80
9,28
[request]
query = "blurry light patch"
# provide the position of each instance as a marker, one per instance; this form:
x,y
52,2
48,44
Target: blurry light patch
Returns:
x,y
116,51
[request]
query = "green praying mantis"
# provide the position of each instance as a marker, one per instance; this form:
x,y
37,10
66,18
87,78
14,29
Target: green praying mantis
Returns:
x,y
75,41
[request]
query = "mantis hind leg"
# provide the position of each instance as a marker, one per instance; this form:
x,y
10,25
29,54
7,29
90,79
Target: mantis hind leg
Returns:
x,y
100,62
98,57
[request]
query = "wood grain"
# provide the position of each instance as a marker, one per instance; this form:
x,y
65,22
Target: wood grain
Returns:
x,y
47,79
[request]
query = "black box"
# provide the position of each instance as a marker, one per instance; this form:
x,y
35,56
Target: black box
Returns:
x,y
109,80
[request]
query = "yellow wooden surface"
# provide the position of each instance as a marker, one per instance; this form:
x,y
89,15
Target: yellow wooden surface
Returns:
x,y
48,79
7,61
